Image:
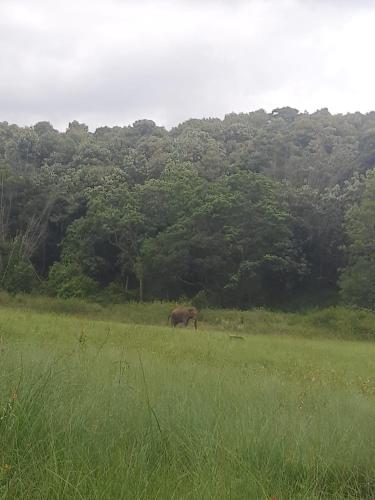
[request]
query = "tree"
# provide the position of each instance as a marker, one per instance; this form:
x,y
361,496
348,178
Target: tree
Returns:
x,y
357,280
235,244
105,243
179,209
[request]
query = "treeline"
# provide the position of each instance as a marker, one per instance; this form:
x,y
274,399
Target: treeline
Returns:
x,y
255,209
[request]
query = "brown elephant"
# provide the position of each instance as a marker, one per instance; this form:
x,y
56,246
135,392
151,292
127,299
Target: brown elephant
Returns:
x,y
183,315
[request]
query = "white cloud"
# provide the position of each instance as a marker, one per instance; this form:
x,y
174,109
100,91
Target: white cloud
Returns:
x,y
113,62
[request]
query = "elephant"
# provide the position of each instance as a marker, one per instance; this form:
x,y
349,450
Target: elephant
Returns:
x,y
183,315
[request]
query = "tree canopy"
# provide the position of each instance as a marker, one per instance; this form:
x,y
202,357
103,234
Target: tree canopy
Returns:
x,y
254,209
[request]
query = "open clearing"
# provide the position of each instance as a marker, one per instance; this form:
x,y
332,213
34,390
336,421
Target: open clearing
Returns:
x,y
101,409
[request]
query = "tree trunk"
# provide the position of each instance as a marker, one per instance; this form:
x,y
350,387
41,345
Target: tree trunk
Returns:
x,y
138,268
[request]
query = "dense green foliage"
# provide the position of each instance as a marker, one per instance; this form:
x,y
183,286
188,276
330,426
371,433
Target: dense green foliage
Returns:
x,y
115,408
358,279
254,209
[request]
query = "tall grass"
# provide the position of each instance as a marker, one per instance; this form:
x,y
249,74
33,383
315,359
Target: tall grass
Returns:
x,y
332,322
105,409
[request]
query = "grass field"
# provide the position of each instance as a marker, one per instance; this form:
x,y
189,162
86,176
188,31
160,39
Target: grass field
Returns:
x,y
111,403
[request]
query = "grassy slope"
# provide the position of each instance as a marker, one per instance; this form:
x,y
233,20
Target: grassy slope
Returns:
x,y
332,322
108,409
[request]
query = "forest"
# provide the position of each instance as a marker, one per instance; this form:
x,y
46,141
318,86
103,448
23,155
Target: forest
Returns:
x,y
256,209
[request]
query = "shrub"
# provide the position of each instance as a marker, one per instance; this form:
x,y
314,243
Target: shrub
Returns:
x,y
66,280
357,283
201,300
115,293
19,277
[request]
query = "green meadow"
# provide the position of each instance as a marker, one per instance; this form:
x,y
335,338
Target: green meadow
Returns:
x,y
109,402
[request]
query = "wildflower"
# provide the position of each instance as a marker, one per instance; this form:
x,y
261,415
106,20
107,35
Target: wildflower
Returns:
x,y
6,467
14,396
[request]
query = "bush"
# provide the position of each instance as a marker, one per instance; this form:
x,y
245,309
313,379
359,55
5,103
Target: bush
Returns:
x,y
66,280
357,283
115,293
201,300
19,277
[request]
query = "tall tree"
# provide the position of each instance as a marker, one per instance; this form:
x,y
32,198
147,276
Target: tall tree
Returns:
x,y
357,280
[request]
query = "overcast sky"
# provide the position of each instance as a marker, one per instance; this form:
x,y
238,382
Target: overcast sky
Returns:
x,y
111,62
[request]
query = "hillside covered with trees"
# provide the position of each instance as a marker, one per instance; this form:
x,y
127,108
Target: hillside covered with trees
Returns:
x,y
255,209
